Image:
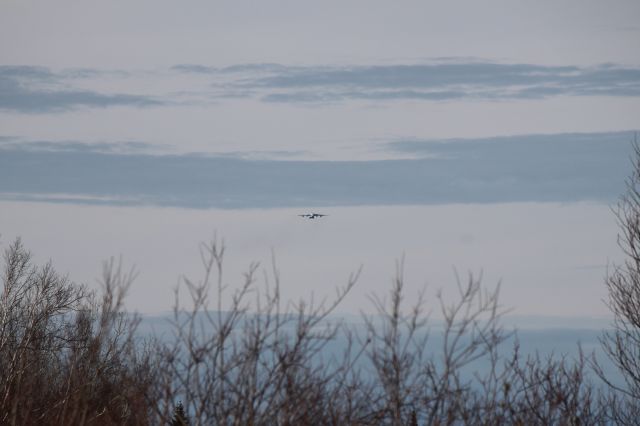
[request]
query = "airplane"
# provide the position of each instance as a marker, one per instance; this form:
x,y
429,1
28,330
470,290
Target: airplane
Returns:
x,y
312,215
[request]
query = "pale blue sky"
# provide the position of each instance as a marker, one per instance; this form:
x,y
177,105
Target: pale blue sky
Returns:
x,y
483,135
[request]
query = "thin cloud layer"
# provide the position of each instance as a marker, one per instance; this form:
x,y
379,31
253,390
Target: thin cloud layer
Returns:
x,y
130,147
539,148
565,167
451,81
30,89
431,82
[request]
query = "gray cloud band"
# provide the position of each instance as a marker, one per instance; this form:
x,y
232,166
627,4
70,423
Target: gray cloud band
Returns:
x,y
26,89
31,89
537,168
444,81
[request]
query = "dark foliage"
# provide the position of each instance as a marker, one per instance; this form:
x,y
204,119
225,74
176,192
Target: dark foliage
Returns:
x,y
180,418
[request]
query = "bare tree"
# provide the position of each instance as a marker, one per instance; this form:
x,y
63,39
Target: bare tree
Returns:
x,y
622,342
248,363
70,356
430,386
67,356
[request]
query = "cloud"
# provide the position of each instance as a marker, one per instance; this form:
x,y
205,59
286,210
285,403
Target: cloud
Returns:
x,y
33,89
446,80
541,168
567,146
194,68
16,144
332,97
239,68
414,76
30,89
26,72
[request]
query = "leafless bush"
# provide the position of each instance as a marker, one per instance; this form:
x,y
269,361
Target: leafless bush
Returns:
x,y
66,357
622,342
231,365
465,380
430,386
260,364
553,390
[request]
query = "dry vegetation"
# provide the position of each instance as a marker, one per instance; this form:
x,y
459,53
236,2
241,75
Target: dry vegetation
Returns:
x,y
70,356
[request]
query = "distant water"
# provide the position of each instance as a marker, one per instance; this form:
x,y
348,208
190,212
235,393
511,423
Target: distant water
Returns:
x,y
547,343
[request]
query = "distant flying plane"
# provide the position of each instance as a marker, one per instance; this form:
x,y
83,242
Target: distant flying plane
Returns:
x,y
312,215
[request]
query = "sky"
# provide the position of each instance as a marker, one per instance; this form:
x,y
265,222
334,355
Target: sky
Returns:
x,y
485,137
